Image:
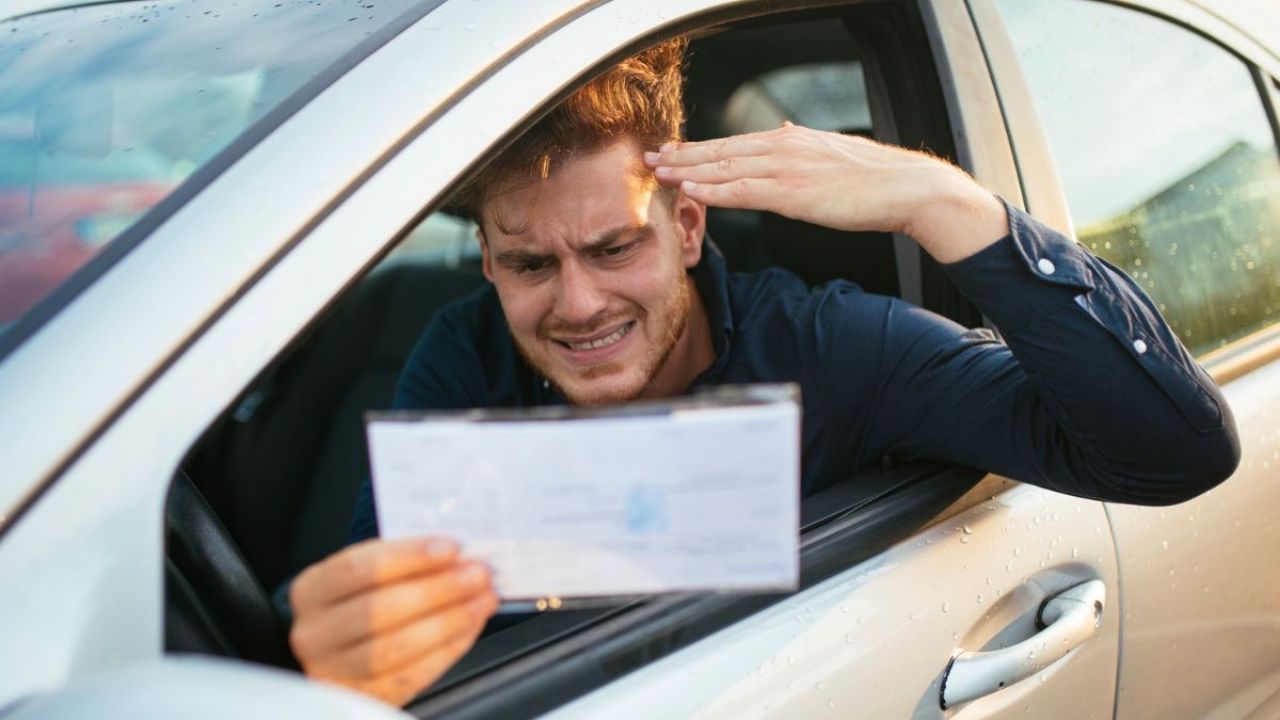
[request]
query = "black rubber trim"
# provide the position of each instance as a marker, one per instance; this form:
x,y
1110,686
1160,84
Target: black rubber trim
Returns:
x,y
616,641
1269,90
942,687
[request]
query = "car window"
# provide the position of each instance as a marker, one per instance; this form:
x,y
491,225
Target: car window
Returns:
x,y
1167,158
106,108
826,96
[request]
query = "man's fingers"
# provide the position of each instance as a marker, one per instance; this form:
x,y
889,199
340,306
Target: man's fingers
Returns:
x,y
403,684
367,565
387,608
722,170
709,151
743,193
391,651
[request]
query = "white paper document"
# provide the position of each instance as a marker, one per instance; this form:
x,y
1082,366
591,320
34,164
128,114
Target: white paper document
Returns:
x,y
679,499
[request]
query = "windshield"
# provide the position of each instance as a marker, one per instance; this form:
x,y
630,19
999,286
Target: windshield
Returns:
x,y
105,109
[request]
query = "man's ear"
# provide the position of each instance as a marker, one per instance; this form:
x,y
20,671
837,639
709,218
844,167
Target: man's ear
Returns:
x,y
486,261
691,222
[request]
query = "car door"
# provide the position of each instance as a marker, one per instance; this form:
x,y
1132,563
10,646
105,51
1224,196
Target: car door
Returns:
x,y
1189,203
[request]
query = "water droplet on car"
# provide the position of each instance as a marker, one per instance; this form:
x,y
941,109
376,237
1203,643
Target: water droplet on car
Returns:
x,y
968,530
946,607
964,539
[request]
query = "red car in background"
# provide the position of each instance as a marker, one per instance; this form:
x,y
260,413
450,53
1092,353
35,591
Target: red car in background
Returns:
x,y
47,234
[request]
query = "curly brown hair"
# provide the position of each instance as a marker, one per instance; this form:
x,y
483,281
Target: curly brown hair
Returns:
x,y
640,98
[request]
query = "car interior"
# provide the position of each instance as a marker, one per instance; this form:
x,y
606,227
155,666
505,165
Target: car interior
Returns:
x,y
269,488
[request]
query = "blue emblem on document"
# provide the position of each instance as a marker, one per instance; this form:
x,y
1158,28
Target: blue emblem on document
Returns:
x,y
646,509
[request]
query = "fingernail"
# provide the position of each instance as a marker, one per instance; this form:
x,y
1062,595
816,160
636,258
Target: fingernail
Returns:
x,y
665,147
472,576
651,157
662,171
688,186
440,548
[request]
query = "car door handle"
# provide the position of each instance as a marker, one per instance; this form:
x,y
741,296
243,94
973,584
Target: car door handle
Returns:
x,y
1068,619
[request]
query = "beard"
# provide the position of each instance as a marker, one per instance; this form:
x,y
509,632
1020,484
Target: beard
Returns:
x,y
670,319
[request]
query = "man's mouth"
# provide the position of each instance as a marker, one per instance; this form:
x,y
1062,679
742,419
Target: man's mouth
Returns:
x,y
601,341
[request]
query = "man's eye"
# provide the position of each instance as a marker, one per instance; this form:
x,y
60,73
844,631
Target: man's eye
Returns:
x,y
531,266
617,250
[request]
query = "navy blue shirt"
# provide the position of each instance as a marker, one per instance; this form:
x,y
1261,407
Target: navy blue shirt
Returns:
x,y
1089,392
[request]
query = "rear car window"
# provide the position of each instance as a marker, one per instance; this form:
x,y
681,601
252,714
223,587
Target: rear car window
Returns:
x,y
1167,158
106,108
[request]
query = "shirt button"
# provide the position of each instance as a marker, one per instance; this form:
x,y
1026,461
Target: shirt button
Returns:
x,y
1045,265
1139,347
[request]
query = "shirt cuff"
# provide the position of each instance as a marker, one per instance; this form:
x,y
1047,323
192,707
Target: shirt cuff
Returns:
x,y
1040,251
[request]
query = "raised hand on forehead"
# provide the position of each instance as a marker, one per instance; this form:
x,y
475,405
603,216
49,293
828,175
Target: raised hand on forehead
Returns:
x,y
839,181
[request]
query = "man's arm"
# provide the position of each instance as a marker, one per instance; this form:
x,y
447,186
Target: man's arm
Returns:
x,y
845,182
1093,395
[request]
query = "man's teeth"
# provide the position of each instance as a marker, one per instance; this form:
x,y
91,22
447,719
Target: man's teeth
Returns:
x,y
605,341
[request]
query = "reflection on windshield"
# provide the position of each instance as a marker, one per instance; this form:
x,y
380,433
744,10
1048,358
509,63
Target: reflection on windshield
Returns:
x,y
104,109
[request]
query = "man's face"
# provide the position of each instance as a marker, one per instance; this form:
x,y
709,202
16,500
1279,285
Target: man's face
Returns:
x,y
590,265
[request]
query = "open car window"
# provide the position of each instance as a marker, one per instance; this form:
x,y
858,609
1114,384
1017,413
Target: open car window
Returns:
x,y
280,471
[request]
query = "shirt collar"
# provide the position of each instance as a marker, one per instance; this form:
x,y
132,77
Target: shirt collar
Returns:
x,y
711,278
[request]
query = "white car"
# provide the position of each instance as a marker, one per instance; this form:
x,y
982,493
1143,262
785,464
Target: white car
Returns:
x,y
225,218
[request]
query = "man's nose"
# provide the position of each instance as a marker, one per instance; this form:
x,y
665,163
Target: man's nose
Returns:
x,y
580,297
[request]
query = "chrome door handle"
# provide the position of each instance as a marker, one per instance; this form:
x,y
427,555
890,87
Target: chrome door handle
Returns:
x,y
1068,619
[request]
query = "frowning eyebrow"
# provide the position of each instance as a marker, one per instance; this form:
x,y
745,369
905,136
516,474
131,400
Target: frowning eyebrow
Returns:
x,y
525,258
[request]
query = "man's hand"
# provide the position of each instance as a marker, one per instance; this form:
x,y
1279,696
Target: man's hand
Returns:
x,y
840,181
389,617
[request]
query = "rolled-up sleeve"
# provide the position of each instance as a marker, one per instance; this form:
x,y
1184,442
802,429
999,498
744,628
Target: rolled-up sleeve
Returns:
x,y
1090,392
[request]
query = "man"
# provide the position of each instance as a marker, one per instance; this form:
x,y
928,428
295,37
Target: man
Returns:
x,y
603,291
